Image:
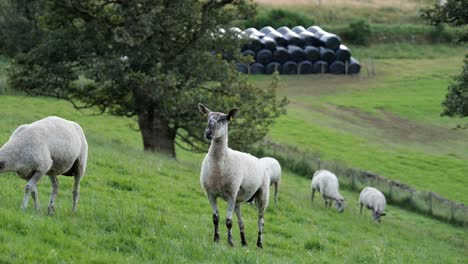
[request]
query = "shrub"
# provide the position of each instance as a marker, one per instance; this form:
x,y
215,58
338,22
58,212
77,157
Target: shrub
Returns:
x,y
439,33
279,17
359,33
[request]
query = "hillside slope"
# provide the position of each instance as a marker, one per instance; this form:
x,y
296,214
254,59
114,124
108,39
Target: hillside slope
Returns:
x,y
145,208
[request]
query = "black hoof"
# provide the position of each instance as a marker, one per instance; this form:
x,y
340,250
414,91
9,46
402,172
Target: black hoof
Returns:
x,y
230,243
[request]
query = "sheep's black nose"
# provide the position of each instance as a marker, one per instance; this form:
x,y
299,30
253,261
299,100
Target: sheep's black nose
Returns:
x,y
208,135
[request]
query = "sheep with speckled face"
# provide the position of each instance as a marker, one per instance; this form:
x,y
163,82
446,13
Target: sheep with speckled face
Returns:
x,y
374,200
327,184
51,146
231,175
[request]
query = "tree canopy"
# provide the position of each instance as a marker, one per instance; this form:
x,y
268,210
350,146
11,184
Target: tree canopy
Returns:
x,y
149,59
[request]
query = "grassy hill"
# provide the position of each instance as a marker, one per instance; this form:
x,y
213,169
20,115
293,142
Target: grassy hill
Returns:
x,y
144,208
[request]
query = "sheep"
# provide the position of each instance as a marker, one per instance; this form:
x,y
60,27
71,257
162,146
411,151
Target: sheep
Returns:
x,y
327,184
273,169
374,200
232,175
52,146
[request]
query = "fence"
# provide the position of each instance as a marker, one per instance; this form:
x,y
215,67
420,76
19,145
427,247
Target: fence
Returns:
x,y
402,195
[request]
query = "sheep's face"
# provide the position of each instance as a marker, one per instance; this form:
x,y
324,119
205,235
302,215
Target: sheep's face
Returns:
x,y
217,125
339,205
376,216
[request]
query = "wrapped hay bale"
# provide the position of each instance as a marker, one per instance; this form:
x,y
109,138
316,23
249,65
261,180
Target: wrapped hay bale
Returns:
x,y
267,29
255,32
289,67
312,53
298,29
278,37
327,39
257,68
248,53
353,66
337,67
268,43
320,67
283,29
296,53
242,67
280,55
264,56
254,43
272,67
342,53
309,38
327,55
305,67
293,38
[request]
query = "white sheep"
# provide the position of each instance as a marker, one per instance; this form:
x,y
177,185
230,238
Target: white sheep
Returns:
x,y
374,200
51,146
273,169
234,176
327,184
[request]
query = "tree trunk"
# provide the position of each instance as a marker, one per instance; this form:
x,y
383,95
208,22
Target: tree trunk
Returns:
x,y
157,135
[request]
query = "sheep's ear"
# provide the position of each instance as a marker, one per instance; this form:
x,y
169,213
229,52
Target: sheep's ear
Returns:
x,y
232,113
203,109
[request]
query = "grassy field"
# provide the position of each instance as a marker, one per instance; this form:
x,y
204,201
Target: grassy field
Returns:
x,y
389,124
144,208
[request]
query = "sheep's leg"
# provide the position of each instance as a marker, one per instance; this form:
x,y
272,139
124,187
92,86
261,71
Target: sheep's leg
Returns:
x,y
35,196
240,221
214,208
276,192
262,201
54,181
231,205
361,208
76,192
30,187
313,192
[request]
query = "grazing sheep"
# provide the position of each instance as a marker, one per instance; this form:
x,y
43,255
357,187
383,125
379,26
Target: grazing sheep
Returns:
x,y
374,200
234,176
327,184
273,169
51,146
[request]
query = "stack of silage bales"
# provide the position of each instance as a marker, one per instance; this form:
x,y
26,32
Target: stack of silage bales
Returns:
x,y
297,51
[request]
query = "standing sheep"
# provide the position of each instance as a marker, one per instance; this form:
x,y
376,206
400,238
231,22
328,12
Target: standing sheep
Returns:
x,y
374,200
327,184
234,176
51,146
273,169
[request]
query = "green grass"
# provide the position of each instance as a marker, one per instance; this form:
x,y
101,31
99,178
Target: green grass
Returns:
x,y
143,208
389,124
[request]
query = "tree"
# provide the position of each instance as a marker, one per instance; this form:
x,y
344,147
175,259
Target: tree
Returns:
x,y
149,59
455,13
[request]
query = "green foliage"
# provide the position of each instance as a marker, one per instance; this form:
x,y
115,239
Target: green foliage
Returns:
x,y
359,33
456,100
440,34
454,12
151,60
280,17
19,30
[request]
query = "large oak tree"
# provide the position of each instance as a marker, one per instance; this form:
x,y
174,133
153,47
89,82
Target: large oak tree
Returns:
x,y
149,59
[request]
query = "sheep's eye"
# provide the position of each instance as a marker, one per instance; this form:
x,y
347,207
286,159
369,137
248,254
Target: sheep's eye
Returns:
x,y
222,119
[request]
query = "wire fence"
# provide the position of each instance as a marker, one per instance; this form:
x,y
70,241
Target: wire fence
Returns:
x,y
402,195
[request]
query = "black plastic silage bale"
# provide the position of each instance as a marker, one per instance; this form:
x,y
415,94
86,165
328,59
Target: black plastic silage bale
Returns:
x,y
278,37
327,55
296,53
283,29
293,38
272,67
281,55
337,67
342,53
268,43
289,67
257,68
267,29
242,67
305,67
248,52
298,29
255,32
264,56
327,39
309,38
312,53
254,43
320,67
353,66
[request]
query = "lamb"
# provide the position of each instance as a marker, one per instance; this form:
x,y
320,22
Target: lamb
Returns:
x,y
374,200
51,146
327,184
232,175
273,169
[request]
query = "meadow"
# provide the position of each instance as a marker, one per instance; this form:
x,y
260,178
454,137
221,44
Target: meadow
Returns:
x,y
147,208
